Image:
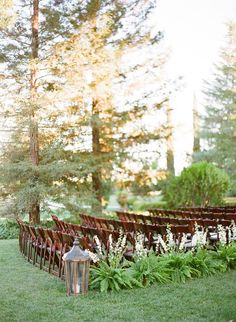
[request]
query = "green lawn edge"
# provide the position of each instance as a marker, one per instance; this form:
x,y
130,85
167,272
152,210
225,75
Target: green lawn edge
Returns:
x,y
28,294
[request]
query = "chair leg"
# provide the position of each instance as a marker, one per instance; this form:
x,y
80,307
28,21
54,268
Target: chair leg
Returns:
x,y
29,249
60,260
50,258
41,255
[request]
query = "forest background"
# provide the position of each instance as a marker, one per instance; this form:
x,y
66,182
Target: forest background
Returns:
x,y
87,105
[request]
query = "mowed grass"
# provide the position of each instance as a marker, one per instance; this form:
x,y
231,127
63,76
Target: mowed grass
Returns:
x,y
28,294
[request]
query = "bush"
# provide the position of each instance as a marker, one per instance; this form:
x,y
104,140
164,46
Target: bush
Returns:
x,y
202,184
109,271
9,229
114,273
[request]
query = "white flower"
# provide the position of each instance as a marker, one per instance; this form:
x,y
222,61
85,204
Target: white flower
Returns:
x,y
182,242
92,256
140,250
98,244
161,242
233,230
199,238
110,243
222,234
170,242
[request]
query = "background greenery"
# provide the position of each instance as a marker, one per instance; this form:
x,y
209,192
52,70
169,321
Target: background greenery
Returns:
x,y
201,184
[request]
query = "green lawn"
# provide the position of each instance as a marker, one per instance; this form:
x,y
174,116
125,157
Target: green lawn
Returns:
x,y
28,294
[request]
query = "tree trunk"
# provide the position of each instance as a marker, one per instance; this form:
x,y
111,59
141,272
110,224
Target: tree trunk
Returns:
x,y
169,141
34,214
196,127
96,146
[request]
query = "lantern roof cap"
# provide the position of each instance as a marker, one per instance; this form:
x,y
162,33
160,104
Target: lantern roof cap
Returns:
x,y
76,254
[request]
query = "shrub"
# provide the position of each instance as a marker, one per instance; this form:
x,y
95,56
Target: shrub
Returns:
x,y
202,184
9,229
111,271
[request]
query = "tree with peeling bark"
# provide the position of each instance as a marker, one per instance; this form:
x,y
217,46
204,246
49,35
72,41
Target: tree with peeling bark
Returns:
x,y
34,214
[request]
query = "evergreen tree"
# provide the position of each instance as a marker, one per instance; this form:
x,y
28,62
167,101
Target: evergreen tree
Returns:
x,y
219,126
92,75
24,46
81,132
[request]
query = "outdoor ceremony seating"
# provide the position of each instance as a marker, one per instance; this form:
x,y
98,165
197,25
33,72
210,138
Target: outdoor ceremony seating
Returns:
x,y
45,247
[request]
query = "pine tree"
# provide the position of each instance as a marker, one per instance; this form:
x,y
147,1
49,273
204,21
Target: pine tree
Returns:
x,y
219,129
24,45
82,133
91,75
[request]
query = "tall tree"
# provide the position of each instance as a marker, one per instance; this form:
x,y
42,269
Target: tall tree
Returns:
x,y
219,128
34,215
22,49
81,128
91,92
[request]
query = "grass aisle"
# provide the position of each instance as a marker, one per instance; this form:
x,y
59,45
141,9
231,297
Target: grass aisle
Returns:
x,y
28,294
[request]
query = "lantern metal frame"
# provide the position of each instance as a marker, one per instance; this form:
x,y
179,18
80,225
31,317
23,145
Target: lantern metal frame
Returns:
x,y
77,263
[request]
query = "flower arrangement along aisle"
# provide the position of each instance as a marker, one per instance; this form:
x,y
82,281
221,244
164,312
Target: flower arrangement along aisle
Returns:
x,y
172,260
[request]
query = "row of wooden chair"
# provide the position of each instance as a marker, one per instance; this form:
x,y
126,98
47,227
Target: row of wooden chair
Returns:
x,y
135,223
191,214
151,232
160,220
102,227
222,209
45,247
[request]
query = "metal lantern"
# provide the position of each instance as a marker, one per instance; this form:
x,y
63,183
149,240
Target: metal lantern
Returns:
x,y
77,264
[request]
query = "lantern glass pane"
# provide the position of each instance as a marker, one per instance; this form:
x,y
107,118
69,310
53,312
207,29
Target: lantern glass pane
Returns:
x,y
77,277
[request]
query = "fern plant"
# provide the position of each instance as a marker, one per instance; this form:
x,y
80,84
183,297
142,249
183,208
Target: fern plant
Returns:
x,y
178,264
110,271
105,277
204,264
227,255
148,270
